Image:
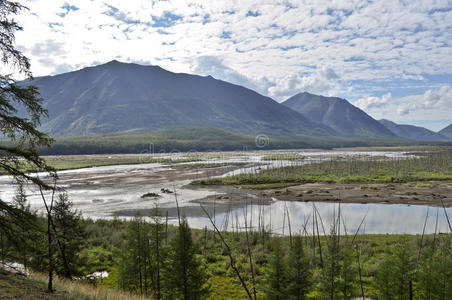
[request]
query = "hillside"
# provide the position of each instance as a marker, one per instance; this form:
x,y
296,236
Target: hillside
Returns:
x,y
337,113
447,131
414,133
118,97
194,139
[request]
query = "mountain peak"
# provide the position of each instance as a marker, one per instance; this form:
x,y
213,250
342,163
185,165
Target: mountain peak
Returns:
x,y
447,131
118,96
414,133
338,114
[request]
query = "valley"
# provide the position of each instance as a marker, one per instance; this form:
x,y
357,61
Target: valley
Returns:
x,y
126,185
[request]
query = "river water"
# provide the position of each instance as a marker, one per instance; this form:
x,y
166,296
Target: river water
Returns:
x,y
105,192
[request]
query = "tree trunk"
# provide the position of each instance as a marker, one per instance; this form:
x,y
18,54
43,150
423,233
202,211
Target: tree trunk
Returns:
x,y
50,255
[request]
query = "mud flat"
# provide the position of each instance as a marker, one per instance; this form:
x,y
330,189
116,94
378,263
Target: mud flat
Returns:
x,y
425,193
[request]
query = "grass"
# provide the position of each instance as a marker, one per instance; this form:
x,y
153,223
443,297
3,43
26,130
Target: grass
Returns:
x,y
435,166
34,286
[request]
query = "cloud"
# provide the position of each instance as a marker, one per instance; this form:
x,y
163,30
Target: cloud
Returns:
x,y
353,49
370,102
432,105
323,81
430,100
214,66
48,48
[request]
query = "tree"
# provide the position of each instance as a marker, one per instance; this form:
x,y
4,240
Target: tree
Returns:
x,y
184,275
332,267
298,273
21,128
348,271
435,276
25,230
69,236
275,280
384,280
395,272
15,97
132,257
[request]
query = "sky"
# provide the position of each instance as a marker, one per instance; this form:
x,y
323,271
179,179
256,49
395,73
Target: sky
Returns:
x,y
391,58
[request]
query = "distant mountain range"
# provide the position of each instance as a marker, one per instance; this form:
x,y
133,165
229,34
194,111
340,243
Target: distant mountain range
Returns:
x,y
414,133
118,97
122,97
447,131
337,113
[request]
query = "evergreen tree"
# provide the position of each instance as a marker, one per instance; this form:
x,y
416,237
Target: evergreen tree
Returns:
x,y
184,274
20,128
276,283
298,272
332,267
385,279
348,271
131,258
435,275
395,272
24,230
157,252
69,237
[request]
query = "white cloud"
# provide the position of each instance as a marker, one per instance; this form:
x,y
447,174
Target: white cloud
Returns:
x,y
323,81
434,104
371,102
289,46
430,100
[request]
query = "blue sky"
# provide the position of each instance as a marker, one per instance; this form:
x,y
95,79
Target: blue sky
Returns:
x,y
391,58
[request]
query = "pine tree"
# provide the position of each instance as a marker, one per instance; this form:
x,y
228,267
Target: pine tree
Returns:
x,y
131,258
298,272
332,267
435,276
69,237
395,272
157,252
184,274
275,282
348,271
21,128
385,279
24,232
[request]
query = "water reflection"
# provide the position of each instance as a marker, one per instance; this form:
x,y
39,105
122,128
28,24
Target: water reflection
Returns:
x,y
379,218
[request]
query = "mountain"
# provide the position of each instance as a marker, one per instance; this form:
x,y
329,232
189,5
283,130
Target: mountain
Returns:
x,y
120,97
447,131
337,113
414,133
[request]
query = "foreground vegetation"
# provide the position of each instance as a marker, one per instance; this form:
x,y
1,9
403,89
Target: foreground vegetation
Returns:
x,y
148,257
430,166
33,286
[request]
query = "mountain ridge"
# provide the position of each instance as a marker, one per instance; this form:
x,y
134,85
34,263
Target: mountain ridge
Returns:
x,y
447,131
116,97
415,133
338,114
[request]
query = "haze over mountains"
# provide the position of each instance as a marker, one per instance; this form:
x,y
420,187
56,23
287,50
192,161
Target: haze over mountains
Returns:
x,y
122,97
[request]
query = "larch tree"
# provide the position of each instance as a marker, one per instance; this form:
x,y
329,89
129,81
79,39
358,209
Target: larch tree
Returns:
x,y
21,111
